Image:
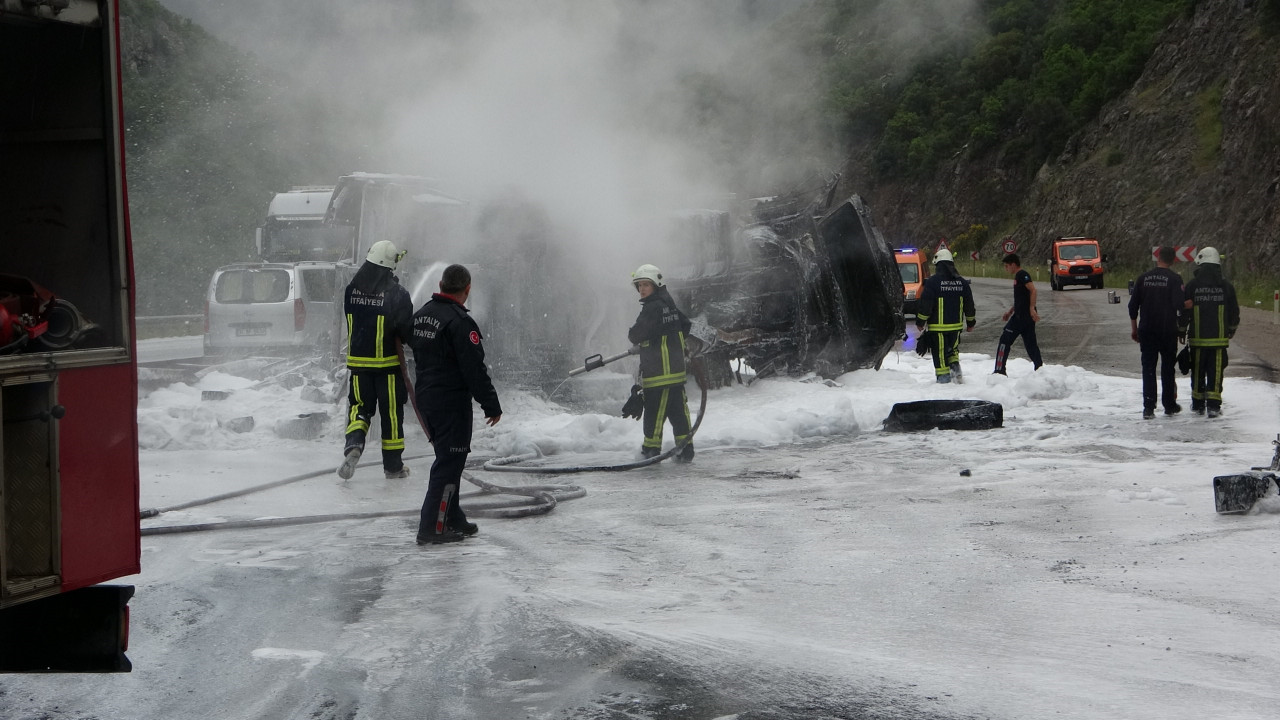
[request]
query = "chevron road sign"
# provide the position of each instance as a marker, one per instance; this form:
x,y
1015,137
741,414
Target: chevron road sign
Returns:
x,y
1183,253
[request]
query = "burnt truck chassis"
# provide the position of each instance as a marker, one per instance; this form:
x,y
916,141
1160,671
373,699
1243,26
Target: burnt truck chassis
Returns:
x,y
809,285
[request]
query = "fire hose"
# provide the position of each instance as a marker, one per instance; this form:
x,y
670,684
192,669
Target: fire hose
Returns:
x,y
538,499
509,464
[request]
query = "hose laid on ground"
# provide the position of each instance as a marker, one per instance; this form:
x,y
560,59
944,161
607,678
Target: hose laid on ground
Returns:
x,y
538,499
508,464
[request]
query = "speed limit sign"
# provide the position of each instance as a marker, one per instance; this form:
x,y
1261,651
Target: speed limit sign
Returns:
x,y
1009,246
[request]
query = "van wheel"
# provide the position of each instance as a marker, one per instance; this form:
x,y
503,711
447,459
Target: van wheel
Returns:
x,y
1053,283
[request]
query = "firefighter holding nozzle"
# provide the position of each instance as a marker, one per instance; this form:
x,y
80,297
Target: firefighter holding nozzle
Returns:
x,y
659,332
946,305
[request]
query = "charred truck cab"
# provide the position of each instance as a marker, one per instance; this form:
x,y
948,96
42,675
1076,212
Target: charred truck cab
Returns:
x,y
68,379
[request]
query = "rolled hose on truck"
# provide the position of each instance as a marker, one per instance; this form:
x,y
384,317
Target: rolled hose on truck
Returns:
x,y
538,499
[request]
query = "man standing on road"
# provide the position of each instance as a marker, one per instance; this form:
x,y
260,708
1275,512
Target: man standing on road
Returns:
x,y
378,314
1021,318
946,301
1158,298
450,374
1209,320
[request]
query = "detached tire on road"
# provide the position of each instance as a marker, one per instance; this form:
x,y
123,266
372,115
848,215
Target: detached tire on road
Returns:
x,y
944,415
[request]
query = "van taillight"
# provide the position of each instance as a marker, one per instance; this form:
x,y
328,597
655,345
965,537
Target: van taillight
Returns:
x,y
299,315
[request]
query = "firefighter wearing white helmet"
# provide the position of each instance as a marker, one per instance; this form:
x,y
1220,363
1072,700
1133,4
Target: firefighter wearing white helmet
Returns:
x,y
945,306
379,317
647,272
660,332
1209,320
384,254
1208,255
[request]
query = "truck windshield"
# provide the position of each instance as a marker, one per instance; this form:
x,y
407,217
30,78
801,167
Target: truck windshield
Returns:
x,y
1078,252
291,241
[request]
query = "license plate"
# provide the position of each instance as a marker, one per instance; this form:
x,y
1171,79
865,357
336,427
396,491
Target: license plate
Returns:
x,y
250,331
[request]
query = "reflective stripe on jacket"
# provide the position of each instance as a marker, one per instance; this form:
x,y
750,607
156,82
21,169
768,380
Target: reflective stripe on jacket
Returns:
x,y
374,323
660,331
946,303
1214,313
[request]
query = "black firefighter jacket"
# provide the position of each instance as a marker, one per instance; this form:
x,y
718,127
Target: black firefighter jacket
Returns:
x,y
660,331
946,303
1157,298
449,356
374,322
1213,314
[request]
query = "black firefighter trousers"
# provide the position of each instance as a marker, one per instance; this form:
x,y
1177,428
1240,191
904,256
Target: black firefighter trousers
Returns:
x,y
1162,350
1022,325
1207,366
667,402
449,426
370,390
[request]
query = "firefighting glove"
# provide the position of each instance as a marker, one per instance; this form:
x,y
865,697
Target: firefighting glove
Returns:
x,y
634,407
1184,360
922,344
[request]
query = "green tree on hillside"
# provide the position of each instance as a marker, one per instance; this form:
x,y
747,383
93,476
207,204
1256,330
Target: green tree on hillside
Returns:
x,y
1041,70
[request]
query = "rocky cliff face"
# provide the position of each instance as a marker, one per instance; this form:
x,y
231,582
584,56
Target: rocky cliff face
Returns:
x,y
1189,156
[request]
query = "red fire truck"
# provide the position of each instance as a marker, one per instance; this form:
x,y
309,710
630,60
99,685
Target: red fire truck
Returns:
x,y
68,373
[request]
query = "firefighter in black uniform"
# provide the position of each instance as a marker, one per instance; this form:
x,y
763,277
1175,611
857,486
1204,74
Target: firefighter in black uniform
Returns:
x,y
1209,319
451,373
1158,298
379,313
946,302
660,332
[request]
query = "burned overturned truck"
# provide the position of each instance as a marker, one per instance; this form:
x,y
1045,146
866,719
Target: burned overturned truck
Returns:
x,y
807,285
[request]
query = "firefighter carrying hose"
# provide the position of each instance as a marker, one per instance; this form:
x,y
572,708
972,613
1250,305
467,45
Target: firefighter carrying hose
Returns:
x,y
946,302
379,316
1209,319
660,332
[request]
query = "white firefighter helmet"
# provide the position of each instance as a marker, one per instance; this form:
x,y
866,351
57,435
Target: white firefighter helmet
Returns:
x,y
648,272
1208,255
384,253
943,255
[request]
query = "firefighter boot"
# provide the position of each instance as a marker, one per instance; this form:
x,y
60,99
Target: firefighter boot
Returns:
x,y
686,454
944,378
956,374
403,472
448,536
466,528
348,466
647,452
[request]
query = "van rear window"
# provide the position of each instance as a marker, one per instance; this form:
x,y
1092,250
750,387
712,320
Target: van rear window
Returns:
x,y
320,285
252,286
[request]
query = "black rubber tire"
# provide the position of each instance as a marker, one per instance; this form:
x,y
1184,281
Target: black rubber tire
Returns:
x,y
944,415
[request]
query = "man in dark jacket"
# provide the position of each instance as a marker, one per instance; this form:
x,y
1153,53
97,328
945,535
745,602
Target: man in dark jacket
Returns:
x,y
660,332
378,314
1022,317
1209,320
1157,297
946,302
450,374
